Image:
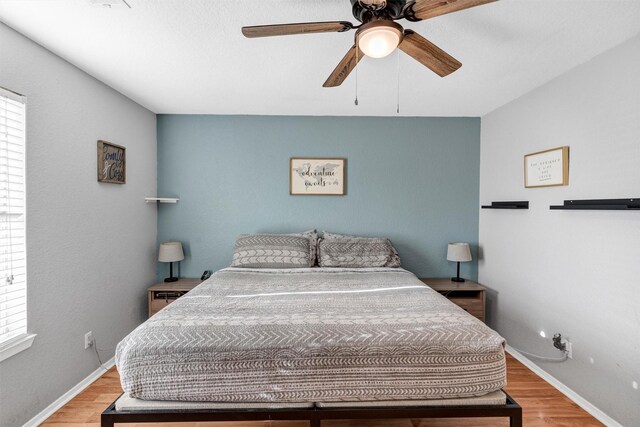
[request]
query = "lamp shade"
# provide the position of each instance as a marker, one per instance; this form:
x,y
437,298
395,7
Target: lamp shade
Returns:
x,y
170,252
459,252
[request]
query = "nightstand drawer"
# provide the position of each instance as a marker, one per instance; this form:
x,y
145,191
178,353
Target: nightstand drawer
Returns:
x,y
475,313
468,303
468,295
157,305
473,306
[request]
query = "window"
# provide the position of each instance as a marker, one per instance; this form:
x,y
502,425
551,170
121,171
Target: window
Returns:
x,y
13,277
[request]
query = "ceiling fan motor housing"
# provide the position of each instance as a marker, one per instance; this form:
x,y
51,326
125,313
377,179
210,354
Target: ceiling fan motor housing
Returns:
x,y
368,10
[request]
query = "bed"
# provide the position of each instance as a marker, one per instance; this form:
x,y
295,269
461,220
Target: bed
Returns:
x,y
310,343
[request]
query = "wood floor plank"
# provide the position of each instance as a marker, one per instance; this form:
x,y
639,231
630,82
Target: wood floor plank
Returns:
x,y
542,404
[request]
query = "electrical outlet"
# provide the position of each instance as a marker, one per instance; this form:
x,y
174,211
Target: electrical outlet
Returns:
x,y
568,347
563,344
88,340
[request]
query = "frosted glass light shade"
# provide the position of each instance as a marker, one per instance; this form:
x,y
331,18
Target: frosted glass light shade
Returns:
x,y
170,252
379,40
459,252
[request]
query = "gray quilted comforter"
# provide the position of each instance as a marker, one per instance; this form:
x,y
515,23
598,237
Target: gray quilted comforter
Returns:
x,y
311,335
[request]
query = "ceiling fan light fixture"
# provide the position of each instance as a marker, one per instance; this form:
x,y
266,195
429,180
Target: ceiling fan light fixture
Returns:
x,y
379,38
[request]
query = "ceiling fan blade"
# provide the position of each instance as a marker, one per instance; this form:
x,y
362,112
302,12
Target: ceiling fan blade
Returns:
x,y
346,65
425,9
301,28
428,54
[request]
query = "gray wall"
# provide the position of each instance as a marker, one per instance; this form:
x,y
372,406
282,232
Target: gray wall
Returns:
x,y
575,272
414,180
90,246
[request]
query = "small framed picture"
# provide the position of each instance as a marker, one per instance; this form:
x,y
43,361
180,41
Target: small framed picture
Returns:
x,y
547,168
112,165
316,176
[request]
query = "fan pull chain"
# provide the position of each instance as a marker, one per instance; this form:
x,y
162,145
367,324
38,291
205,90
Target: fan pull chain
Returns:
x,y
356,67
398,88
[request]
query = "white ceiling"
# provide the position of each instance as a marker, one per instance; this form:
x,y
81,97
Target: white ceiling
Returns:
x,y
178,56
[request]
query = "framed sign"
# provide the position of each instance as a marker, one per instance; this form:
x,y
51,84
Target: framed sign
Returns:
x,y
112,166
316,176
547,168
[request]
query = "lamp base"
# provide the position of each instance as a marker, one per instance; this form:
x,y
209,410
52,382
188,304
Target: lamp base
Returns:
x,y
457,279
171,278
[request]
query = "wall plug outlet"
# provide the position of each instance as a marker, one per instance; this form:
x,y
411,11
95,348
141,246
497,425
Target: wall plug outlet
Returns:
x,y
568,348
88,340
563,344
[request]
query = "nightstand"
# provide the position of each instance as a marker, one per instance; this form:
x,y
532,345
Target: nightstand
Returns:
x,y
162,294
468,295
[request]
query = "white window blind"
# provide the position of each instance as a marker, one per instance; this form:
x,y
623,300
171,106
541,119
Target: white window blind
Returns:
x,y
13,277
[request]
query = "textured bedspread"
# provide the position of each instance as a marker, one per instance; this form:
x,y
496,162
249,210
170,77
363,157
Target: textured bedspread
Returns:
x,y
311,335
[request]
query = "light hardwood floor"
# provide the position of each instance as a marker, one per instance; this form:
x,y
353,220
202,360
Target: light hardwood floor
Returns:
x,y
543,406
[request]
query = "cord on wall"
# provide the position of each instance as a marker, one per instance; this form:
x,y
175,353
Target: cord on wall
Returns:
x,y
564,357
97,350
558,343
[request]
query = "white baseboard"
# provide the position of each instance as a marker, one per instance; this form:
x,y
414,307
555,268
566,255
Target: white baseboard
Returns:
x,y
75,390
575,397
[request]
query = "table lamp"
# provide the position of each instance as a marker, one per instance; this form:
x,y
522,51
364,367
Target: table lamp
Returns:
x,y
170,252
458,252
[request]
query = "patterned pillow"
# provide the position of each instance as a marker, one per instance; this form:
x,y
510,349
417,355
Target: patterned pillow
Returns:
x,y
348,251
312,235
272,251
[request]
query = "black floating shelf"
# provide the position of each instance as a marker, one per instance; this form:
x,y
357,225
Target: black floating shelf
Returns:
x,y
507,205
599,205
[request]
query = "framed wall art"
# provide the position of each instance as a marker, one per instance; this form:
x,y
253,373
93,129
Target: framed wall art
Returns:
x,y
547,168
317,176
112,165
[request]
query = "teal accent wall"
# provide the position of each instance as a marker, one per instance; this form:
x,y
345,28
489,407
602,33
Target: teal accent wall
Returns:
x,y
414,180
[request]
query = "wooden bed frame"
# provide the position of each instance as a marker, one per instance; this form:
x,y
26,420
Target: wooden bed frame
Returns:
x,y
314,415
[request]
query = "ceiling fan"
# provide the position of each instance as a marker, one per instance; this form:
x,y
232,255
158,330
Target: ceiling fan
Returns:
x,y
378,35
